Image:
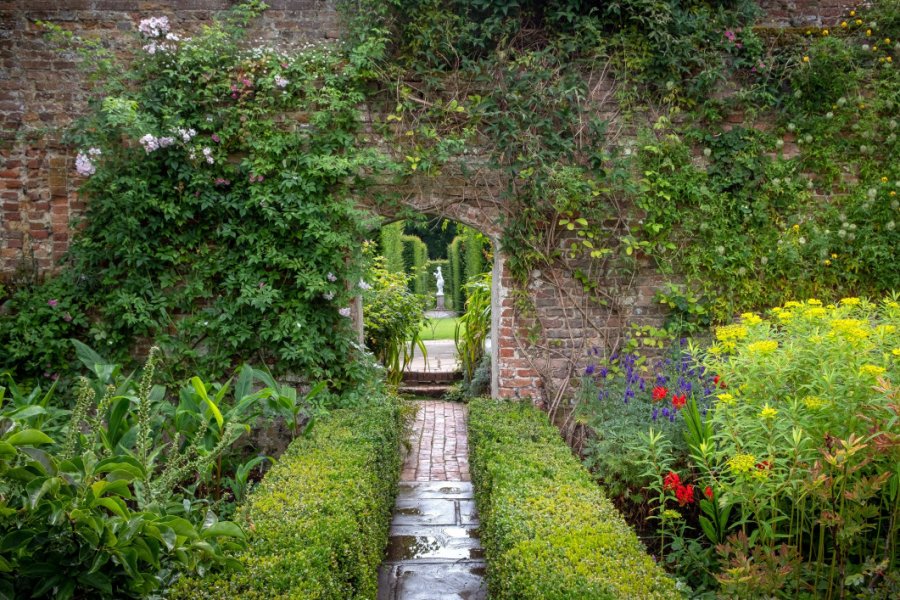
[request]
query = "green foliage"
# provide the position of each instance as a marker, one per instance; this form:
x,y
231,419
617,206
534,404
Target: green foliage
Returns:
x,y
101,504
415,257
320,517
394,317
548,530
224,242
392,247
474,326
455,276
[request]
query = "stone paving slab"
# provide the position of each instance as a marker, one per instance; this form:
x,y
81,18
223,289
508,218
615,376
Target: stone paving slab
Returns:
x,y
412,543
435,489
458,580
425,511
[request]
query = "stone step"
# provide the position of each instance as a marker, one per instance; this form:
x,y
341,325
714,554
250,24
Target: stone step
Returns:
x,y
444,377
424,391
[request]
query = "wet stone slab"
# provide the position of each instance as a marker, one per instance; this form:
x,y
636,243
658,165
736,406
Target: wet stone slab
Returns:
x,y
425,511
408,543
434,489
459,580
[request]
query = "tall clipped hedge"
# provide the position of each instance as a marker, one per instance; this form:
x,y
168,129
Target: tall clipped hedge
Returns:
x,y
548,531
392,247
455,273
415,256
319,519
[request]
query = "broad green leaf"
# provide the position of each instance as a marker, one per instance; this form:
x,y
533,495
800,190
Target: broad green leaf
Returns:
x,y
201,391
223,528
29,437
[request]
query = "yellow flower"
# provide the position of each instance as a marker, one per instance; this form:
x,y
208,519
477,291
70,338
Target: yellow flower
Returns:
x,y
814,302
869,32
896,351
885,329
844,24
887,40
796,227
671,515
806,59
884,180
731,333
763,347
767,412
893,193
827,263
833,255
750,318
813,402
741,463
824,32
792,304
850,301
871,370
816,311
892,304
761,474
727,399
858,21
852,13
889,59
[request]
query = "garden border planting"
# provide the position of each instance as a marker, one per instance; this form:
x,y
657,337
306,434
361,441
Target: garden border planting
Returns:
x,y
320,516
548,530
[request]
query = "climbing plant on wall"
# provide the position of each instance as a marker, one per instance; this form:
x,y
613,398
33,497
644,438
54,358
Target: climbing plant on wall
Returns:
x,y
219,221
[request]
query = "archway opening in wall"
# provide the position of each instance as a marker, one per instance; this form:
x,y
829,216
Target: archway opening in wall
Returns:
x,y
428,316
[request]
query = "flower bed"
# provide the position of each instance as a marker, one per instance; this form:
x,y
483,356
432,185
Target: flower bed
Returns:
x,y
548,531
320,517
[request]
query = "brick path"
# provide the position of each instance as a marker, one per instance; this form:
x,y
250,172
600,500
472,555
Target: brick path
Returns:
x,y
439,444
434,552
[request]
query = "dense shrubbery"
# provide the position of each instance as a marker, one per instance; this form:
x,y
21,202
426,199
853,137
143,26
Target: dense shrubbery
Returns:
x,y
117,496
788,485
319,520
548,531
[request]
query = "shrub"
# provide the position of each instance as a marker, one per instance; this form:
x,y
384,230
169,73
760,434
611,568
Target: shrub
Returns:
x,y
547,529
102,504
320,517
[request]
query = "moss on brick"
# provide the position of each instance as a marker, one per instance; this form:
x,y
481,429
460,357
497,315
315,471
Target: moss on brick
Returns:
x,y
548,530
319,520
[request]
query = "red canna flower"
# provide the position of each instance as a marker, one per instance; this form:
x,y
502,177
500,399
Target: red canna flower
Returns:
x,y
678,401
708,492
671,481
684,494
660,393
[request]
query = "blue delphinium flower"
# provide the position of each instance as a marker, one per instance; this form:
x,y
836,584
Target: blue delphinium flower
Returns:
x,y
589,370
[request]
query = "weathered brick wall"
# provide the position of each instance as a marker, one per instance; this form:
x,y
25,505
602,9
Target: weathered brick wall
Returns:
x,y
41,90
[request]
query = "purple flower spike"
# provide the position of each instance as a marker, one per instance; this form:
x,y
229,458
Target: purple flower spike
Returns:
x,y
604,371
589,370
655,414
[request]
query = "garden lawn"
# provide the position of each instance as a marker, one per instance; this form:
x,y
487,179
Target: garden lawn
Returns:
x,y
439,329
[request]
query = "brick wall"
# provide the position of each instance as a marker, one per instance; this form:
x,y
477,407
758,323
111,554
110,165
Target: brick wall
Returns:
x,y
41,90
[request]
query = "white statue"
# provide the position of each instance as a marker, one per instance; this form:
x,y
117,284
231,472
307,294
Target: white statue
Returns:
x,y
440,282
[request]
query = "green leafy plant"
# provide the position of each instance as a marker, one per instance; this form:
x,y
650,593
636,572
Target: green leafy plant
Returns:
x,y
474,326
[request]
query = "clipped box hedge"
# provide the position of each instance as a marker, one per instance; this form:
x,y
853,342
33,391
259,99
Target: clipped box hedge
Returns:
x,y
547,529
319,520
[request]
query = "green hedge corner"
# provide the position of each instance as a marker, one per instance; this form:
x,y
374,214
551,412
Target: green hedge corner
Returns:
x,y
319,520
548,530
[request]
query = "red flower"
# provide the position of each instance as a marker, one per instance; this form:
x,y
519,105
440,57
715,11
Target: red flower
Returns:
x,y
678,401
718,381
684,494
671,481
660,393
764,465
708,492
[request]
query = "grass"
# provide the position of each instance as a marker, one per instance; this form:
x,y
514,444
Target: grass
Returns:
x,y
439,329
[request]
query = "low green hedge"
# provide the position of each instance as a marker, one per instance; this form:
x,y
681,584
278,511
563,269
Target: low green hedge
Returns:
x,y
319,519
548,530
